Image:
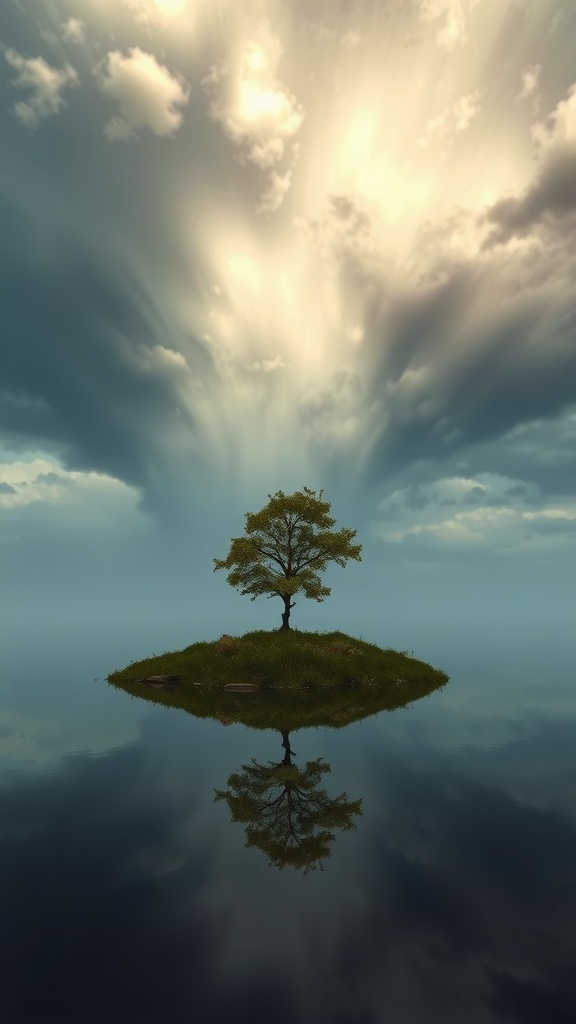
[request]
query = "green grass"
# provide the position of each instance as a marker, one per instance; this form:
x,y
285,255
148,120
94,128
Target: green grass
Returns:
x,y
302,679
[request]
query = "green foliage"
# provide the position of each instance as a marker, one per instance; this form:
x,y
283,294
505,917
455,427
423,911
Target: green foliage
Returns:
x,y
287,544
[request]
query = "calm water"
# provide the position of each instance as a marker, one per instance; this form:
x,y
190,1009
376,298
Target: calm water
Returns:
x,y
129,895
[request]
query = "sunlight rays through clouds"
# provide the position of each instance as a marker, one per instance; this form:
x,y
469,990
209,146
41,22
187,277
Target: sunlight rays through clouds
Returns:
x,y
352,225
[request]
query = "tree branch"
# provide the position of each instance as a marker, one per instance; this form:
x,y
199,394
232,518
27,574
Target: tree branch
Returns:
x,y
315,558
268,554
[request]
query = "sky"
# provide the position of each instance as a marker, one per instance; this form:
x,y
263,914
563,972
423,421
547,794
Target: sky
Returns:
x,y
256,246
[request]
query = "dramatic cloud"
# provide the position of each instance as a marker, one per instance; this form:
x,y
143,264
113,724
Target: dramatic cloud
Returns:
x,y
338,249
46,84
147,94
432,403
554,192
43,481
256,111
489,512
347,245
554,189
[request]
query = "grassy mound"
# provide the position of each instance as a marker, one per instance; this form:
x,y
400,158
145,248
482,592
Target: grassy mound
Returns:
x,y
296,679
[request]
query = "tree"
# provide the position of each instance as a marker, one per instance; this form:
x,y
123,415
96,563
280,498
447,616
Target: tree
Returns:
x,y
283,534
286,813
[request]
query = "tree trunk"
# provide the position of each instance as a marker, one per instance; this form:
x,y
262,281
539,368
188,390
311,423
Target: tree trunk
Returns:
x,y
286,612
286,744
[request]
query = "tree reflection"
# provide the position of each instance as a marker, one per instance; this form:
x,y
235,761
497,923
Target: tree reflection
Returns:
x,y
286,813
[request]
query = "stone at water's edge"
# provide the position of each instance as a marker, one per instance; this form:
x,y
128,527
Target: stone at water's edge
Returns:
x,y
162,680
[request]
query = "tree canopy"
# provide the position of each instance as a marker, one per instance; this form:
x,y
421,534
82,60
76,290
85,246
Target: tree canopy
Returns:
x,y
287,544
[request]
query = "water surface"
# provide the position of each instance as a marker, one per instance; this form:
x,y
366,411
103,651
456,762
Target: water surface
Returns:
x,y
129,894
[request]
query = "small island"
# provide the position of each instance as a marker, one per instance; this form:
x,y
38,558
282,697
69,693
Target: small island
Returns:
x,y
286,679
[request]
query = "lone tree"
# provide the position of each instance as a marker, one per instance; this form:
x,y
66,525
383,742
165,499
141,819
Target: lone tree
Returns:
x,y
283,552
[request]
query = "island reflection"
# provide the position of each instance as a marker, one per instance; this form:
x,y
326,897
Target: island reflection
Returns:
x,y
285,811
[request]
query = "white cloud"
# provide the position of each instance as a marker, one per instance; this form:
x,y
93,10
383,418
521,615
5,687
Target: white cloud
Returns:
x,y
453,29
319,30
257,111
169,358
46,83
267,365
453,120
258,107
487,510
141,11
273,196
495,527
147,94
266,154
561,123
38,480
73,30
465,110
154,14
118,130
530,83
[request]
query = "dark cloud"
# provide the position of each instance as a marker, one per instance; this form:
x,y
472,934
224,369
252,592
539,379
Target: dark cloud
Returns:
x,y
445,387
417,498
54,478
434,246
346,209
553,192
541,451
7,488
557,526
517,491
93,252
64,353
404,331
78,374
475,496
